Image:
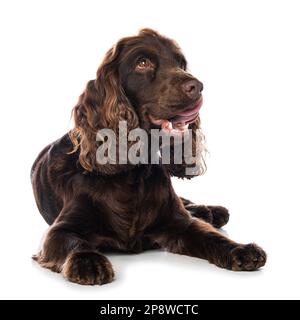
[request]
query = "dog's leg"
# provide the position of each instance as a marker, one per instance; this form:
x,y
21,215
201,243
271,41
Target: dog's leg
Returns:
x,y
197,238
66,250
218,216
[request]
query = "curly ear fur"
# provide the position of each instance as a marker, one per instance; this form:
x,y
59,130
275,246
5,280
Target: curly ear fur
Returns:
x,y
198,165
102,105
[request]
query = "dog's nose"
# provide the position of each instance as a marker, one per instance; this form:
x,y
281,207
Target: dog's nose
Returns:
x,y
192,88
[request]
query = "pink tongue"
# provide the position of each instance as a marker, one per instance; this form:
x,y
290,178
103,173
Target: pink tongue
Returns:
x,y
187,116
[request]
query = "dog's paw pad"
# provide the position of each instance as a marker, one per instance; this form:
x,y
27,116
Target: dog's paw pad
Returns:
x,y
248,257
88,268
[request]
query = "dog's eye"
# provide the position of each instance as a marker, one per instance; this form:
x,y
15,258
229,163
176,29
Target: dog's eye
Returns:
x,y
144,64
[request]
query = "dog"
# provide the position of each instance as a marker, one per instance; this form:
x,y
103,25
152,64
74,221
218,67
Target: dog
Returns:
x,y
95,207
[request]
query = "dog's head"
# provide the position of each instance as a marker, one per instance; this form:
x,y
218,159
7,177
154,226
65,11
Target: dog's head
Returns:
x,y
142,80
152,73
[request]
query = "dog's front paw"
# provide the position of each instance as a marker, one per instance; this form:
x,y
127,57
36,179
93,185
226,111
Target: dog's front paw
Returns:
x,y
220,216
88,268
247,257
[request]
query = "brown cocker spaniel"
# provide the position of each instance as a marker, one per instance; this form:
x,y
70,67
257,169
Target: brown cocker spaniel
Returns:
x,y
94,207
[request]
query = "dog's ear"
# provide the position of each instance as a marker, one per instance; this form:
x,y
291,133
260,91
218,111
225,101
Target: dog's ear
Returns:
x,y
193,154
115,106
86,119
102,105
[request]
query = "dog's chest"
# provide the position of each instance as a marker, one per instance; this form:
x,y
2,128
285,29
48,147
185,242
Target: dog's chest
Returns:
x,y
136,202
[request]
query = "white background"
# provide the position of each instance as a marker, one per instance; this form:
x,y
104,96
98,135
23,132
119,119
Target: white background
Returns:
x,y
247,54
